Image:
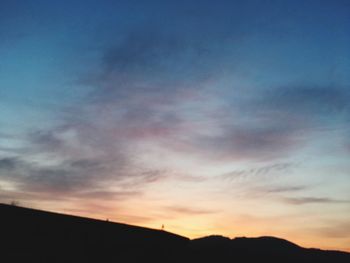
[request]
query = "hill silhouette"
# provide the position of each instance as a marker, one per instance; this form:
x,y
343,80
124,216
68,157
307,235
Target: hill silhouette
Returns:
x,y
29,235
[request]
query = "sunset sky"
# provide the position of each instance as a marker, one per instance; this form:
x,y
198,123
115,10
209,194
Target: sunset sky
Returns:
x,y
210,117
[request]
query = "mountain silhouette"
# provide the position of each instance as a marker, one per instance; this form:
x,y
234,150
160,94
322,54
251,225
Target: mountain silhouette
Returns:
x,y
29,235
260,249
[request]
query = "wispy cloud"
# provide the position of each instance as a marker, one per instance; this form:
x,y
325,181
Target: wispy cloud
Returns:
x,y
8,164
312,200
189,210
312,101
261,171
276,122
285,189
88,179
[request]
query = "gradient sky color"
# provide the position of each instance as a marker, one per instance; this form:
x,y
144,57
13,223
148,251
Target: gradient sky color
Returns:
x,y
210,117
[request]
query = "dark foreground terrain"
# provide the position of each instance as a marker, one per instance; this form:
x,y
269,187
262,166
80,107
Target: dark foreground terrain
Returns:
x,y
28,235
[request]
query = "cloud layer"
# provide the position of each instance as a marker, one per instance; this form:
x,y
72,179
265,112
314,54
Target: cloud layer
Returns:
x,y
130,110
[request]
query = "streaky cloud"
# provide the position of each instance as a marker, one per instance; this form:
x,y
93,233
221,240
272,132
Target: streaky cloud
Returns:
x,y
312,200
189,210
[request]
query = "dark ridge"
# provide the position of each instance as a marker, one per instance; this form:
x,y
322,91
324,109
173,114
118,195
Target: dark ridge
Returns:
x,y
29,235
265,243
260,249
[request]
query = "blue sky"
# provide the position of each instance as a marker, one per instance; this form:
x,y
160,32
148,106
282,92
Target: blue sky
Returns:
x,y
228,117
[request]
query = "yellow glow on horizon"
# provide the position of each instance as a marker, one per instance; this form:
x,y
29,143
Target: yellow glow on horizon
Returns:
x,y
196,226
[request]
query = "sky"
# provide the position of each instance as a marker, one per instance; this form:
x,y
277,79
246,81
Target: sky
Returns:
x,y
210,117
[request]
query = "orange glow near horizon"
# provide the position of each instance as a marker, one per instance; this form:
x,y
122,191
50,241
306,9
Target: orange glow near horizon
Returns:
x,y
196,226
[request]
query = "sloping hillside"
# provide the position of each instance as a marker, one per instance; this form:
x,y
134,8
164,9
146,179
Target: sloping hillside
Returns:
x,y
29,235
36,236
